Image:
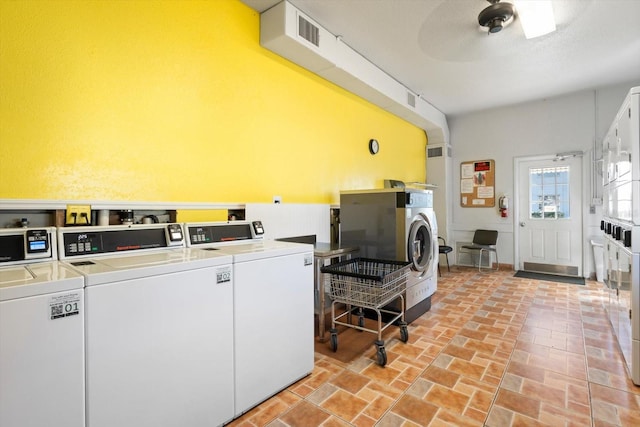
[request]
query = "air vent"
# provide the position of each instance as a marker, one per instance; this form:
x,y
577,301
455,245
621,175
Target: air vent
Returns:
x,y
308,31
411,99
295,36
434,152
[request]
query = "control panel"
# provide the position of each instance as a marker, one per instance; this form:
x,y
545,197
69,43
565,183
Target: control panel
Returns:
x,y
95,240
415,199
27,244
617,232
175,237
37,244
258,229
203,233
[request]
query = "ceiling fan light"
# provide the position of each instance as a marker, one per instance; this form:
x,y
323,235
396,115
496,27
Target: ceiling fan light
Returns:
x,y
536,17
496,15
495,25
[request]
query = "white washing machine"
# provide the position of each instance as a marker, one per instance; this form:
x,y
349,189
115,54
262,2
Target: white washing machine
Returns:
x,y
41,333
273,307
396,224
159,322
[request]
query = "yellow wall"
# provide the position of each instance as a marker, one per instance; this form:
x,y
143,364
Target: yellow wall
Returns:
x,y
177,101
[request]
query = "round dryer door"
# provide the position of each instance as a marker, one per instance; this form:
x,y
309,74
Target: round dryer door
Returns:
x,y
420,247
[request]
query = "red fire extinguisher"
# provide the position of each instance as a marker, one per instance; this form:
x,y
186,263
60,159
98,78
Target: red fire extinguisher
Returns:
x,y
503,205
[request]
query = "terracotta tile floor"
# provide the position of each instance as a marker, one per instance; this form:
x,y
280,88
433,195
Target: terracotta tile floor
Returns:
x,y
494,350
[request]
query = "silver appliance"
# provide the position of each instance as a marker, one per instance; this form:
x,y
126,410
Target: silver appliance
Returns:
x,y
396,224
621,228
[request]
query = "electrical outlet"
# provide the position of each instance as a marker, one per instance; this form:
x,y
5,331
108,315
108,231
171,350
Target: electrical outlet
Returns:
x,y
78,215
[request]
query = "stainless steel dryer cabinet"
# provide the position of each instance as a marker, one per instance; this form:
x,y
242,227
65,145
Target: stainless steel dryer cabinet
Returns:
x,y
395,224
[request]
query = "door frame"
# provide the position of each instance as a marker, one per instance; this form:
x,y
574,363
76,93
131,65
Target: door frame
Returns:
x,y
517,166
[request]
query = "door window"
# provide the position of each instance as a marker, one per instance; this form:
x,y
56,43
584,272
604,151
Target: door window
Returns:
x,y
549,193
419,245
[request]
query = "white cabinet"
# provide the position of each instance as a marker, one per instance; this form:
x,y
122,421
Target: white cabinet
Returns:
x,y
621,227
622,301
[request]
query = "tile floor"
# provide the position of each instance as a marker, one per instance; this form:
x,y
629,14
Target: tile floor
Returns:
x,y
494,350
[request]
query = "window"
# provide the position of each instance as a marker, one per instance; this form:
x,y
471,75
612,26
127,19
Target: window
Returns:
x,y
549,193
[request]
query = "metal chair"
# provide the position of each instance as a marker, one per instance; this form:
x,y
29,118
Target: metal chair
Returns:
x,y
444,249
483,241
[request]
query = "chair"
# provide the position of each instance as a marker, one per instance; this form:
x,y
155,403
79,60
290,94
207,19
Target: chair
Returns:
x,y
444,249
483,241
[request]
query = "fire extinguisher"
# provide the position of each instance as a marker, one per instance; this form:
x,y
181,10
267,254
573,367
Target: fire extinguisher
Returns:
x,y
503,205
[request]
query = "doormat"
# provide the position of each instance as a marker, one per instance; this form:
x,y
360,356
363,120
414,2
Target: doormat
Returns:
x,y
549,277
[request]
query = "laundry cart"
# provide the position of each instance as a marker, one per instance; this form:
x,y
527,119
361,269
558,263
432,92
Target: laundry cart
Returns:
x,y
365,283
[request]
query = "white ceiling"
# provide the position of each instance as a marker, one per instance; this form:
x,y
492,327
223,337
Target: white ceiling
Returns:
x,y
437,49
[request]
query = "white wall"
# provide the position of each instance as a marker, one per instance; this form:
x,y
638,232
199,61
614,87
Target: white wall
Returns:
x,y
545,127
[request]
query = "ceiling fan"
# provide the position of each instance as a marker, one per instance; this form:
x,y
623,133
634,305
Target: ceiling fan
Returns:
x,y
535,16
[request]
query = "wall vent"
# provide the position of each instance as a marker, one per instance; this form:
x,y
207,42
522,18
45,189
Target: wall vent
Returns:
x,y
295,36
308,31
438,150
411,99
434,152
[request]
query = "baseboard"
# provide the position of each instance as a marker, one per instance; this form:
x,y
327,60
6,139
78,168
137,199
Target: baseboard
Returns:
x,y
493,266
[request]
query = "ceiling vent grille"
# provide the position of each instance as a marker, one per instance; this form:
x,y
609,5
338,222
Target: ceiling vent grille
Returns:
x,y
308,31
434,152
295,36
411,99
439,151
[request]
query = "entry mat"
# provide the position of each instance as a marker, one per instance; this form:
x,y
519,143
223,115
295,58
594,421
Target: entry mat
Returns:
x,y
549,277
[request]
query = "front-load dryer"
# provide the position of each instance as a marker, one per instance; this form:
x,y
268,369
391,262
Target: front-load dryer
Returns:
x,y
41,333
395,224
159,326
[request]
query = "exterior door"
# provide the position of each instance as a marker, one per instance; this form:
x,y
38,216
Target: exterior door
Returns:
x,y
550,215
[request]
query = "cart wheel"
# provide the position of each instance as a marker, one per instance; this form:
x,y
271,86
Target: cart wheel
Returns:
x,y
361,321
334,341
404,332
381,356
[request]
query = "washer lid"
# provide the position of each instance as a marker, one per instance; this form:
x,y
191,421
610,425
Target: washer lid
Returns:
x,y
265,249
110,268
29,280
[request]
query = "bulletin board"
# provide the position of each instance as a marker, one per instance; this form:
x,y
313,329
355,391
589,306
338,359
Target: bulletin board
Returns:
x,y
477,184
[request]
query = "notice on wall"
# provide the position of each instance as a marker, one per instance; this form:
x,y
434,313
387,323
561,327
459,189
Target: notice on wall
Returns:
x,y
477,184
466,186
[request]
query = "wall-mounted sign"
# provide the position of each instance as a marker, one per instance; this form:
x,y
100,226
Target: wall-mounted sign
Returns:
x,y
477,184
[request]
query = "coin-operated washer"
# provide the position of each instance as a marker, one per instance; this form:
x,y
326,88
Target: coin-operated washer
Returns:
x,y
159,322
41,332
272,307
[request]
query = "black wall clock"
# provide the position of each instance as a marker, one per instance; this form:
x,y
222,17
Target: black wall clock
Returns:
x,y
374,146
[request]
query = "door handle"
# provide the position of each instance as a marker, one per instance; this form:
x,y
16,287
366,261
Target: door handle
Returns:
x,y
522,224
